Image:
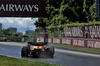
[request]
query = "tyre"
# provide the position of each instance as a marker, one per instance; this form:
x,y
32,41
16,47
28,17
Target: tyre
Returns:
x,y
50,52
24,52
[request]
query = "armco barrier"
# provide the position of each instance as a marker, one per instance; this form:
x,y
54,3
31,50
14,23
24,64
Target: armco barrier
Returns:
x,y
84,43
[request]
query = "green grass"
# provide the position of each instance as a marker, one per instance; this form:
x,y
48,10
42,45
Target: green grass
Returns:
x,y
78,48
9,61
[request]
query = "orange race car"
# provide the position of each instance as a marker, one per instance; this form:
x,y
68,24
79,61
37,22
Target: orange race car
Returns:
x,y
38,49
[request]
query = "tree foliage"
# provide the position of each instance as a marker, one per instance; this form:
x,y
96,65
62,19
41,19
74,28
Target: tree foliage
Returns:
x,y
68,11
15,34
23,35
5,32
42,22
33,35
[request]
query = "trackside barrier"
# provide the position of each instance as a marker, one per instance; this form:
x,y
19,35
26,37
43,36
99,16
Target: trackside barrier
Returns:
x,y
84,43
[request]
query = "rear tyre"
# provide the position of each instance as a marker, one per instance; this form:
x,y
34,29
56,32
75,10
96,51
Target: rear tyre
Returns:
x,y
24,52
50,52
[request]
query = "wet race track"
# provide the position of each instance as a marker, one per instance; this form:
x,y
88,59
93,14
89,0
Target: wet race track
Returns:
x,y
62,56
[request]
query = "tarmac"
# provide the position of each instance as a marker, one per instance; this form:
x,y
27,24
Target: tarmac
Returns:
x,y
25,43
14,43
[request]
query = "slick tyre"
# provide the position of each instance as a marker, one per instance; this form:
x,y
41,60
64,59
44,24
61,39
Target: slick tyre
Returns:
x,y
50,52
24,52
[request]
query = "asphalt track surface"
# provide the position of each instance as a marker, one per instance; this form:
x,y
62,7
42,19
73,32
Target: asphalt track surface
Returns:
x,y
62,56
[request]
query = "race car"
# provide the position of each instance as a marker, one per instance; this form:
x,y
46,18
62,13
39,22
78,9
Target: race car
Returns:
x,y
39,50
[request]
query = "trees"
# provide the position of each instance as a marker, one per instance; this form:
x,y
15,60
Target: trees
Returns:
x,y
5,32
73,10
68,11
15,34
42,22
23,35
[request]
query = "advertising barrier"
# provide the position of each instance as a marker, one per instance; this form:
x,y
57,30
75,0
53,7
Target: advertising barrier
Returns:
x,y
83,43
93,32
85,37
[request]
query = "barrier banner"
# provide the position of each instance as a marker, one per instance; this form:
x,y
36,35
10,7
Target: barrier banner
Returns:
x,y
22,8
